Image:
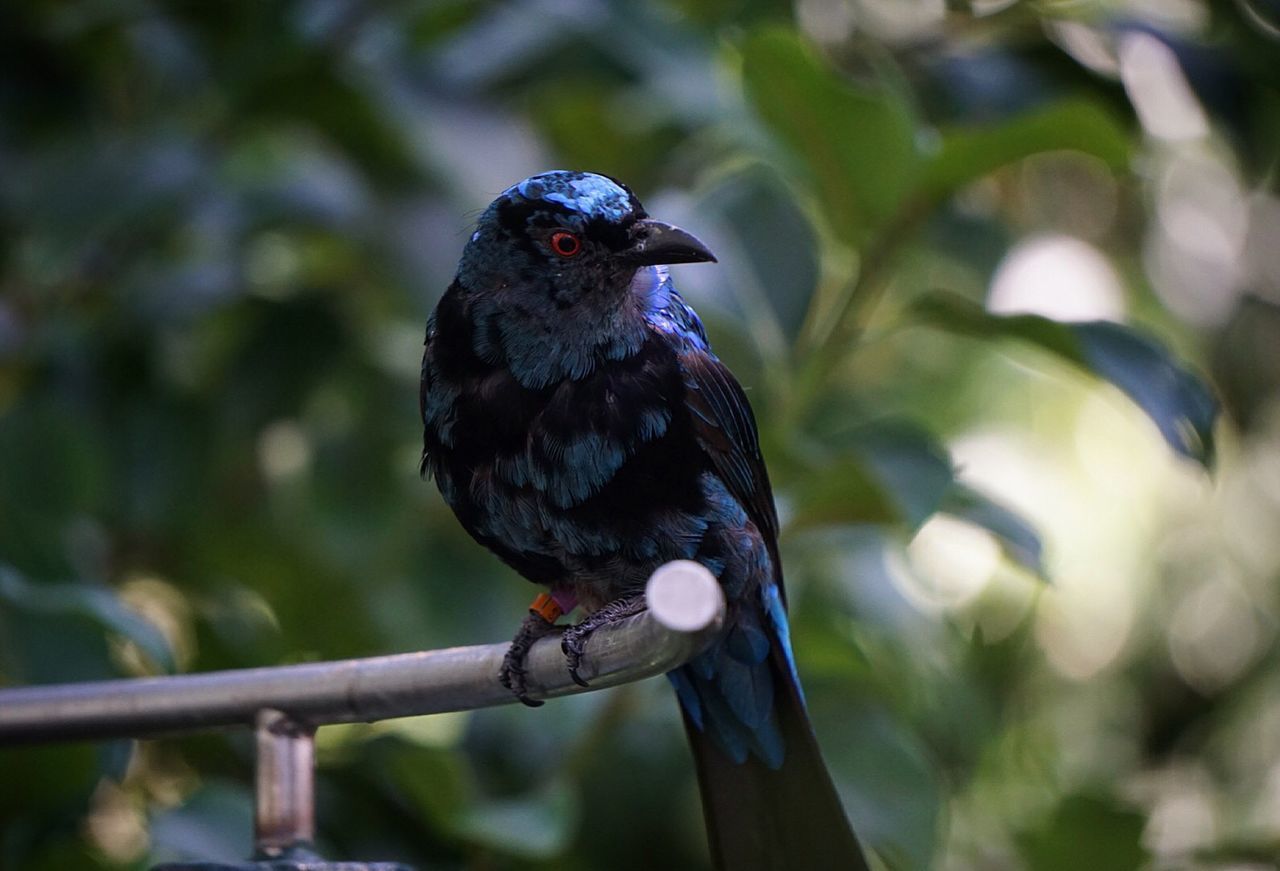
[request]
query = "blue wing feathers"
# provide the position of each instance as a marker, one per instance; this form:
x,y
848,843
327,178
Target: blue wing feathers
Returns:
x,y
724,726
748,691
746,642
777,614
687,695
730,690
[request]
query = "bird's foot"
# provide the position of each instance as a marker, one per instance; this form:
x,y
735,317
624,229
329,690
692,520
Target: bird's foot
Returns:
x,y
535,626
575,637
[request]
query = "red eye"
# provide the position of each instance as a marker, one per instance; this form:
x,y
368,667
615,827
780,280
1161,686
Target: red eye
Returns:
x,y
565,244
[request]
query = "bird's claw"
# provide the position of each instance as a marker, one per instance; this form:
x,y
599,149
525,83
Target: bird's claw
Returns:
x,y
574,645
513,673
574,642
512,677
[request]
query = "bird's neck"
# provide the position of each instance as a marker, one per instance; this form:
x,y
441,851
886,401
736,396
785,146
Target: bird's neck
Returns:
x,y
541,344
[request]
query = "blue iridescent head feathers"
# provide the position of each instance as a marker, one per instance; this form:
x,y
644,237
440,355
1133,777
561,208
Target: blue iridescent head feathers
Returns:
x,y
610,234
517,228
584,193
552,274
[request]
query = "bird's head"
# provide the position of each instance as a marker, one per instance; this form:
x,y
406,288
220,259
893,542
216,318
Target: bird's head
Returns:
x,y
570,239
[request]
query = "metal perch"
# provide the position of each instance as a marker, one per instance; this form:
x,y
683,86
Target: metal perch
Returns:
x,y
286,704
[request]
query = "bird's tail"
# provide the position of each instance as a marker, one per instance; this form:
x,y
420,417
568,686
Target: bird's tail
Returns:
x,y
787,818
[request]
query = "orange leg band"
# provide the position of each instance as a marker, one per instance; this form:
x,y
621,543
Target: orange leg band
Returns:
x,y
546,608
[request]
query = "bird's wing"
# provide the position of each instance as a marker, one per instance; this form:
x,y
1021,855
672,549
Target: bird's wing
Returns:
x,y
760,816
726,431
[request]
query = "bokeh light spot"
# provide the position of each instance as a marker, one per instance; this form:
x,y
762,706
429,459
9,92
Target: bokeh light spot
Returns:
x,y
1057,276
284,450
951,562
1158,90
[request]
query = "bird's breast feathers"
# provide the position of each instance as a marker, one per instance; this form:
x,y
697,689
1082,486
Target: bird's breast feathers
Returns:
x,y
600,473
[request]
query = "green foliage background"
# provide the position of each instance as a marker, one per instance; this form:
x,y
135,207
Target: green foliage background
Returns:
x,y
222,227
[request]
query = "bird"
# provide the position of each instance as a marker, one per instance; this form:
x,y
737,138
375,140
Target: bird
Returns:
x,y
580,427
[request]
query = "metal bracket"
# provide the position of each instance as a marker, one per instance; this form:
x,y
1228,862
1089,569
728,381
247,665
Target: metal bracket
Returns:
x,y
284,815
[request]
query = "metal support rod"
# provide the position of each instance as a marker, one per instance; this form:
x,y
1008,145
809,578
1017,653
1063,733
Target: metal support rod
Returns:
x,y
284,801
685,611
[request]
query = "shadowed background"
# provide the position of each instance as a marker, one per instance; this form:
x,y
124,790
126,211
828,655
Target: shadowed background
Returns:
x,y
1035,632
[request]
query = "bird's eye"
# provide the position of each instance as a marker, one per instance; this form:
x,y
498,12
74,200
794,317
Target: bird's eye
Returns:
x,y
565,244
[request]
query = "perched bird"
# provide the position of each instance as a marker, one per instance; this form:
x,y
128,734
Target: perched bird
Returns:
x,y
579,426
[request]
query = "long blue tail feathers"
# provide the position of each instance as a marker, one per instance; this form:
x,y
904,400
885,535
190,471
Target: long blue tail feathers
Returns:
x,y
767,796
729,690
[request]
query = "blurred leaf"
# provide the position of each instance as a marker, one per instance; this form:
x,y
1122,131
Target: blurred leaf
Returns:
x,y
1018,538
911,466
1072,125
43,648
1086,832
1181,405
1178,402
537,825
213,825
434,779
846,493
435,21
885,777
54,779
97,603
114,757
618,145
890,472
309,90
54,469
858,145
776,248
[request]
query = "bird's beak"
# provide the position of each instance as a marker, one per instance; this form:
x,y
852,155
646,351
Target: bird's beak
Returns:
x,y
655,242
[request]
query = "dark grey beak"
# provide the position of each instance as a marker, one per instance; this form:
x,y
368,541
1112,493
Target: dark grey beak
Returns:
x,y
655,242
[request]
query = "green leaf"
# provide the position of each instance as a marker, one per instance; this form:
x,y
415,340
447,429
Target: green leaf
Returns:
x,y
887,780
845,493
1018,538
55,779
215,824
1072,125
564,107
910,465
434,780
858,145
1086,832
889,472
85,600
1179,403
538,825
